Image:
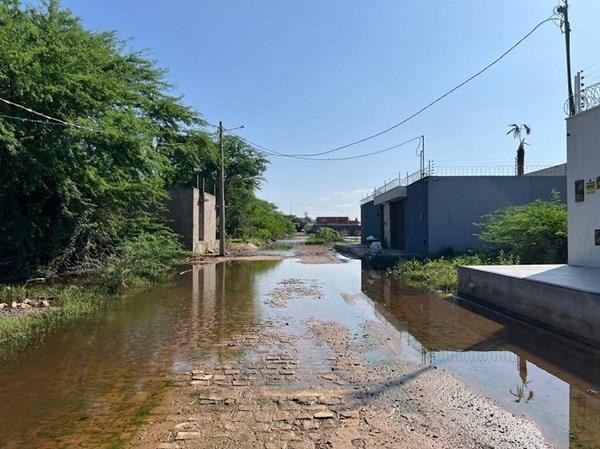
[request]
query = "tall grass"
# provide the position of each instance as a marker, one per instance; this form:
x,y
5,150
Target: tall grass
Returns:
x,y
69,304
441,274
145,259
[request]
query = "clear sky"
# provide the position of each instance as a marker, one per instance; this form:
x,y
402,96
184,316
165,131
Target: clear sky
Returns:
x,y
305,76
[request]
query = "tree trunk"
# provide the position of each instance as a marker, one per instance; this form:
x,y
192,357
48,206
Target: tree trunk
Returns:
x,y
521,159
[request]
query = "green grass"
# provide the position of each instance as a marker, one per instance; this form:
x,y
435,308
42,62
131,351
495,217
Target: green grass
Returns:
x,y
441,274
72,303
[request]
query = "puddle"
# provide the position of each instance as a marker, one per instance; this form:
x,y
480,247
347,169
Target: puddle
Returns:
x,y
87,385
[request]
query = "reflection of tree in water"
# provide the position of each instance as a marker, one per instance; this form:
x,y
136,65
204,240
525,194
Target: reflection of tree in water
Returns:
x,y
522,393
224,299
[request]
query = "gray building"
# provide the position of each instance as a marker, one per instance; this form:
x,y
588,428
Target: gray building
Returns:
x,y
430,214
192,215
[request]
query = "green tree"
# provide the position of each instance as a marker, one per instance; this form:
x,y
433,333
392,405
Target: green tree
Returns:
x,y
75,192
534,232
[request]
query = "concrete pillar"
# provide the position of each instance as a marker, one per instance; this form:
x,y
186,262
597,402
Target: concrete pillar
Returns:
x,y
387,226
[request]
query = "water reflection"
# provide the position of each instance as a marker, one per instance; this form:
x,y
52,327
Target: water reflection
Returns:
x,y
85,385
527,371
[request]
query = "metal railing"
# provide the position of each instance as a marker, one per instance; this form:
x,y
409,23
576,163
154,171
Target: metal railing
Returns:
x,y
464,170
399,181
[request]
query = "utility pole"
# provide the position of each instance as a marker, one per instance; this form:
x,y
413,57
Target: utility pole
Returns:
x,y
222,195
564,10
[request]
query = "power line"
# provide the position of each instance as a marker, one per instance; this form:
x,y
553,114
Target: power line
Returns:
x,y
591,65
48,117
23,119
438,99
306,158
310,156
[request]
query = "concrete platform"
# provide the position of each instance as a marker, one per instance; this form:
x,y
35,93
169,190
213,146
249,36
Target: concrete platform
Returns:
x,y
563,298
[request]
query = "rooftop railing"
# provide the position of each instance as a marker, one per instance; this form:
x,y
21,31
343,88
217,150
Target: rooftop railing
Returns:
x,y
464,170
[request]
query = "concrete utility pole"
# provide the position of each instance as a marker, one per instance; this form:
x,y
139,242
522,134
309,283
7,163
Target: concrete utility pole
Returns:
x,y
222,195
564,10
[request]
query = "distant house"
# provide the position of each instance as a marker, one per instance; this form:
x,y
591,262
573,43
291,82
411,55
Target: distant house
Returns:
x,y
341,224
431,214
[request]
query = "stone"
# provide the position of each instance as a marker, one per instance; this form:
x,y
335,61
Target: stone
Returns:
x,y
289,436
167,446
182,436
199,376
349,414
242,416
44,303
310,425
3,305
14,305
25,306
325,414
281,416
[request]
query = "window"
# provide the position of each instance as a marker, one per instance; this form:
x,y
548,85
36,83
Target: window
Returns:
x,y
579,191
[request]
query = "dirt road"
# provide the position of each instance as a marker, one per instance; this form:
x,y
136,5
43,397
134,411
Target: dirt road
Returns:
x,y
312,384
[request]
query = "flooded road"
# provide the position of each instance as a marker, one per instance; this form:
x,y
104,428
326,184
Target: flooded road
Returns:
x,y
93,384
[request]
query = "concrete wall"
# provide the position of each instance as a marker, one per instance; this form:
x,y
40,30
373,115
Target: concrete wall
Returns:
x,y
193,219
208,217
370,219
457,202
416,217
182,214
583,160
567,311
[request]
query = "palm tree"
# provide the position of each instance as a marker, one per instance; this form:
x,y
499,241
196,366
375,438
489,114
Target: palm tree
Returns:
x,y
517,131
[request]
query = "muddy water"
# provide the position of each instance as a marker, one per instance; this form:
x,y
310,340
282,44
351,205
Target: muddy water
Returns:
x,y
93,383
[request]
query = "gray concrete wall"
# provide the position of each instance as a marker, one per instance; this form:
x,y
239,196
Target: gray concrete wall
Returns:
x,y
583,159
370,219
193,219
457,202
180,215
391,195
416,217
568,311
208,217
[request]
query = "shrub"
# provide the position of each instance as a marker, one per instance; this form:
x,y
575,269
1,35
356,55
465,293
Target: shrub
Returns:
x,y
442,273
145,258
534,232
324,236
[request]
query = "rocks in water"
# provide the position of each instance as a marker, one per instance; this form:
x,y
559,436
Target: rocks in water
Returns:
x,y
26,304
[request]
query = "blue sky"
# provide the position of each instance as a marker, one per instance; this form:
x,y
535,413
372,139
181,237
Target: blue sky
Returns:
x,y
306,76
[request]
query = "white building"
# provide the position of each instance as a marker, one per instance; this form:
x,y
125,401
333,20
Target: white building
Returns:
x,y
583,187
